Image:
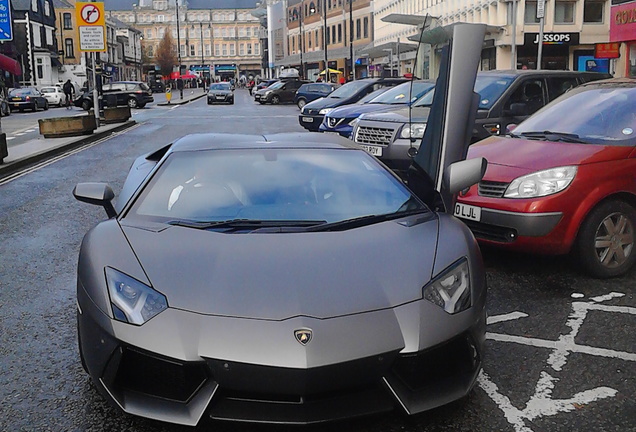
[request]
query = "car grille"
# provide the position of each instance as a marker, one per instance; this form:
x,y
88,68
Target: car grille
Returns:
x,y
374,135
492,189
163,378
434,366
491,232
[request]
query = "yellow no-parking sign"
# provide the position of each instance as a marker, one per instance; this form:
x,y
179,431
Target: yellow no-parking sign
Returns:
x,y
91,25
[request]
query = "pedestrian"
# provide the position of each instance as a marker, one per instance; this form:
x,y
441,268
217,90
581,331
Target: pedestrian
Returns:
x,y
69,90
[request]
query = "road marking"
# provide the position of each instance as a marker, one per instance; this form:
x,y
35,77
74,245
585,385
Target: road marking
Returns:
x,y
10,138
541,403
507,317
20,134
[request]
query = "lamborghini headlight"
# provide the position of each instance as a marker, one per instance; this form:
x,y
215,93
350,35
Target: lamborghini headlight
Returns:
x,y
541,183
325,111
451,289
132,301
415,130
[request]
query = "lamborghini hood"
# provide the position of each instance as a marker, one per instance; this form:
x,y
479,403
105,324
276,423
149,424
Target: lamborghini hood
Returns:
x,y
275,276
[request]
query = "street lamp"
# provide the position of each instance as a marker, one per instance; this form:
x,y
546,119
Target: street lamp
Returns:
x,y
202,58
302,39
179,51
390,50
324,6
141,56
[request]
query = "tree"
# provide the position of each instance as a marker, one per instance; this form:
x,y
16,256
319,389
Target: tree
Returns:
x,y
166,54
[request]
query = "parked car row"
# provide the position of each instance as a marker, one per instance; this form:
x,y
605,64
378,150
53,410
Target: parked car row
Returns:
x,y
559,183
135,94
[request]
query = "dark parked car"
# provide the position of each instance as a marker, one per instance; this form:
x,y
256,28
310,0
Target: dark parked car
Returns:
x,y
27,98
157,86
220,93
505,97
341,119
135,94
279,92
312,114
312,91
264,84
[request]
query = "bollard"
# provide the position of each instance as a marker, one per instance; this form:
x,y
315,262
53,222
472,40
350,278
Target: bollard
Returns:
x,y
168,94
4,152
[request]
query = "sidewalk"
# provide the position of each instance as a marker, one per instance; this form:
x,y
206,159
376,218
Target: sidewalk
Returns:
x,y
189,95
41,148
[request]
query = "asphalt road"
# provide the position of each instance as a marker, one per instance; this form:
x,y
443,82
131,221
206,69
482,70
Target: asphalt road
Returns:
x,y
561,350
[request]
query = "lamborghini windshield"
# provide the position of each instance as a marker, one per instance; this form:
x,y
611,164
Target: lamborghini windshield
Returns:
x,y
299,184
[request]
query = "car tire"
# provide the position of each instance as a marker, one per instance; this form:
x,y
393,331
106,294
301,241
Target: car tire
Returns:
x,y
301,103
132,103
86,105
605,244
275,100
46,105
209,103
141,105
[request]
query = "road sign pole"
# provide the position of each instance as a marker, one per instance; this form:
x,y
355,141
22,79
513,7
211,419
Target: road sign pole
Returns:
x,y
541,17
95,95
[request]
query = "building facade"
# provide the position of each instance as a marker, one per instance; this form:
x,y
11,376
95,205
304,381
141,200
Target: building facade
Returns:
x,y
219,38
34,45
571,29
349,25
623,36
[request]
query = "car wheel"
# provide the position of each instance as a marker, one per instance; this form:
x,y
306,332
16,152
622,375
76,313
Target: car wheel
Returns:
x,y
301,103
132,102
209,103
605,244
275,100
46,105
86,105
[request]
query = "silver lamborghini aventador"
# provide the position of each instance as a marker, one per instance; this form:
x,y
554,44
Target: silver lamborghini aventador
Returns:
x,y
287,279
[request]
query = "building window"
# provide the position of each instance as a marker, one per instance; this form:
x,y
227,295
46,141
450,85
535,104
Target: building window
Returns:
x,y
217,50
208,50
249,49
593,12
339,32
564,12
317,39
232,49
34,5
192,52
68,48
358,29
328,39
366,27
68,24
333,34
49,36
47,8
256,49
530,13
242,49
224,49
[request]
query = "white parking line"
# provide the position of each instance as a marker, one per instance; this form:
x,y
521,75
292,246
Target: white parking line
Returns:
x,y
10,138
541,404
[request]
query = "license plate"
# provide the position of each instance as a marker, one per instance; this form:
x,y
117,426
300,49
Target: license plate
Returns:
x,y
466,211
220,97
375,151
257,97
17,99
308,119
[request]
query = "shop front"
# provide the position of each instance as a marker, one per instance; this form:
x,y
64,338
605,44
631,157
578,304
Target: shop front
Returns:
x,y
225,72
623,30
556,50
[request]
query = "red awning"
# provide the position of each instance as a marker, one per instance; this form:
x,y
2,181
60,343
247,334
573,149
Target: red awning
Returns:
x,y
10,65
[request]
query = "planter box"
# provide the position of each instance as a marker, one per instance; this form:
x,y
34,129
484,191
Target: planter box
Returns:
x,y
59,127
116,115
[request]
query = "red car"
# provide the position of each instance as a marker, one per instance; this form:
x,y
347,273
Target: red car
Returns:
x,y
564,181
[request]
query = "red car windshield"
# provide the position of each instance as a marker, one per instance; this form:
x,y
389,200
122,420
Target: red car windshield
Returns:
x,y
590,114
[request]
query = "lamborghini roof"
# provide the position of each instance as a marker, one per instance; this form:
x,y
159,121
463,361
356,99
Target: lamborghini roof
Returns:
x,y
215,141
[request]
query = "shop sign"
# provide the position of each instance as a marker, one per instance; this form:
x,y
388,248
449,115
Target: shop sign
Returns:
x,y
623,22
607,50
552,39
224,68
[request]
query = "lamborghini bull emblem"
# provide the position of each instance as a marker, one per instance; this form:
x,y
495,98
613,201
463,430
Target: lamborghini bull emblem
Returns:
x,y
303,336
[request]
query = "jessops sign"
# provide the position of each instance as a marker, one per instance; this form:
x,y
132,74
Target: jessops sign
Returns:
x,y
552,39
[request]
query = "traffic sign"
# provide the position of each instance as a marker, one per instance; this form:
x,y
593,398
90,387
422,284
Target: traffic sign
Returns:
x,y
6,29
540,9
91,26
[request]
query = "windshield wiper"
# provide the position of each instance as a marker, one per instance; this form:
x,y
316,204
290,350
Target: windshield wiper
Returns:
x,y
363,220
555,136
251,224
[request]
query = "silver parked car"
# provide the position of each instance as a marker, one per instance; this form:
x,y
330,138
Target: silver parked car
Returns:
x,y
238,276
